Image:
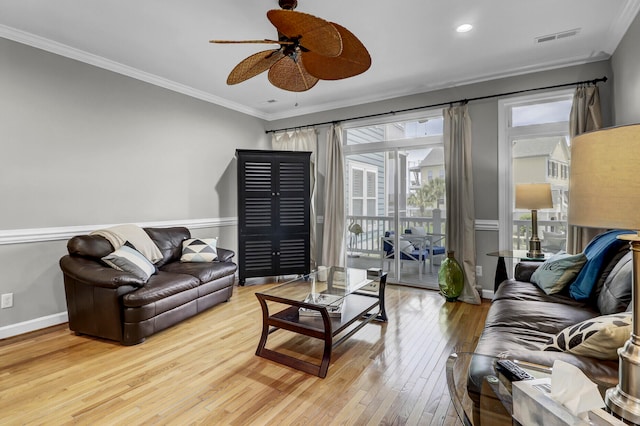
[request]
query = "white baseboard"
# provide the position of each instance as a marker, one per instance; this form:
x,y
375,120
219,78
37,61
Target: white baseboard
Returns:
x,y
33,325
487,294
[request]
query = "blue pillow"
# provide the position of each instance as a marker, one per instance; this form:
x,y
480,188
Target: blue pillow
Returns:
x,y
596,252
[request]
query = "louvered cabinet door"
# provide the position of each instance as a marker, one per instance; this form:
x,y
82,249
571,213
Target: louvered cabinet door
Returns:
x,y
292,195
273,213
256,195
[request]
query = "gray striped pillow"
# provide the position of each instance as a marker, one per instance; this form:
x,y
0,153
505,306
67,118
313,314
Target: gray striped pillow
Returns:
x,y
128,259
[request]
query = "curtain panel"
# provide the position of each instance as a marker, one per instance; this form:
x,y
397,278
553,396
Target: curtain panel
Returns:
x,y
333,252
460,225
303,140
585,116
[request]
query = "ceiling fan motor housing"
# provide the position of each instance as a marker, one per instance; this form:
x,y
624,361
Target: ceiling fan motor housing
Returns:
x,y
288,4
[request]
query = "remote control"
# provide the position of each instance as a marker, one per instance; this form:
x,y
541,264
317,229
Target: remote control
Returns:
x,y
512,371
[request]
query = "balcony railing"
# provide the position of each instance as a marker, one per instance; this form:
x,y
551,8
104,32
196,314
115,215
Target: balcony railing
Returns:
x,y
552,234
374,227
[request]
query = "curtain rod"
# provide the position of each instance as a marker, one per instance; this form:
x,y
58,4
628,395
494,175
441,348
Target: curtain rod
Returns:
x,y
461,101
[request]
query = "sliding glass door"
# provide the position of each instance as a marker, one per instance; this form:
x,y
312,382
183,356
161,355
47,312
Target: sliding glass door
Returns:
x,y
395,198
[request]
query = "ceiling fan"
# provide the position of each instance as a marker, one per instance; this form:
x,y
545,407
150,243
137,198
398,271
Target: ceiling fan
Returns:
x,y
311,49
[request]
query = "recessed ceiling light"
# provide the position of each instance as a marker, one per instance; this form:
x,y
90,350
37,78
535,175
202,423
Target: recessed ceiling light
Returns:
x,y
464,28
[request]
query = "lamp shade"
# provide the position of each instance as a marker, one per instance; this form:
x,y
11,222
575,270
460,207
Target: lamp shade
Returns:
x,y
604,185
533,196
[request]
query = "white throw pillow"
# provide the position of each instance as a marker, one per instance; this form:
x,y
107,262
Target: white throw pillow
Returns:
x,y
128,259
418,232
598,337
406,246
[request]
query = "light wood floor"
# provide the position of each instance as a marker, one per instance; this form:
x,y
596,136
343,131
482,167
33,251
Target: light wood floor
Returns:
x,y
204,371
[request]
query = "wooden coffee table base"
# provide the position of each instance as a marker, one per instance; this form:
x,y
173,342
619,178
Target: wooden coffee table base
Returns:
x,y
323,327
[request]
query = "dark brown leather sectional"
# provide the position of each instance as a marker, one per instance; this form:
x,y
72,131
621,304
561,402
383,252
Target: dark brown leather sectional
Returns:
x,y
520,322
110,304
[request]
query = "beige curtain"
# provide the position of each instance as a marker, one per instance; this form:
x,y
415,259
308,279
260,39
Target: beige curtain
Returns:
x,y
302,140
585,117
460,228
333,237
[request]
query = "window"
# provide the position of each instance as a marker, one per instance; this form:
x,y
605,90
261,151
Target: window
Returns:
x,y
534,148
363,178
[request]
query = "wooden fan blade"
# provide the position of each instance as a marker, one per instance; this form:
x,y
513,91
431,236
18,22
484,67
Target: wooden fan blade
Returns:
x,y
290,75
353,60
254,65
315,34
265,41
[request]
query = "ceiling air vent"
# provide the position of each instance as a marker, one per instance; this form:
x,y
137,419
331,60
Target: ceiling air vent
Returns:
x,y
557,36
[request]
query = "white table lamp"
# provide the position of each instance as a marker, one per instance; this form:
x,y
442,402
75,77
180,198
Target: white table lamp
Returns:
x,y
534,196
604,192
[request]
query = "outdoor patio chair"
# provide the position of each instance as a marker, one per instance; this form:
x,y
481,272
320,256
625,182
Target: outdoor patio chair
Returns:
x,y
408,251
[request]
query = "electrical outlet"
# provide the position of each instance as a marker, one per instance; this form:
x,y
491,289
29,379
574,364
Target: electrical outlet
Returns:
x,y
478,271
7,301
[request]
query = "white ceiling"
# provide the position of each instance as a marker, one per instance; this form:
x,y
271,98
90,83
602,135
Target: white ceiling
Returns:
x,y
413,43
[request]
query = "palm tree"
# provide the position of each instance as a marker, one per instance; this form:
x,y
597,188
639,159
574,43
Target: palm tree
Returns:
x,y
427,195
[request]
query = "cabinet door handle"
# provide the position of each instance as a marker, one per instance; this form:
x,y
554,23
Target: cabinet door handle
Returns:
x,y
278,194
278,253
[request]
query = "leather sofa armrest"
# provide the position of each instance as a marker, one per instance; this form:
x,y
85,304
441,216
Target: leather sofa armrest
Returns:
x,y
225,255
524,270
94,273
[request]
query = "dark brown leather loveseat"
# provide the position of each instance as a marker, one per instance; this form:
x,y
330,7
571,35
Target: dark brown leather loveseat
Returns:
x,y
523,318
116,305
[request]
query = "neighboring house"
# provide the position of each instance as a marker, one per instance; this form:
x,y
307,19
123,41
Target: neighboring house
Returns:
x,y
431,167
544,160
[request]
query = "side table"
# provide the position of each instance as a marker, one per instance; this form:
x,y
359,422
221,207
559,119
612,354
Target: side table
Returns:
x,y
501,267
493,404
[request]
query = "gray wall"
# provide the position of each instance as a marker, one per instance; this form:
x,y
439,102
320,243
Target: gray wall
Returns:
x,y
484,117
86,146
626,65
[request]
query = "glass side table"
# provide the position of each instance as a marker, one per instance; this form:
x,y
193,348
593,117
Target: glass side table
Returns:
x,y
493,404
501,267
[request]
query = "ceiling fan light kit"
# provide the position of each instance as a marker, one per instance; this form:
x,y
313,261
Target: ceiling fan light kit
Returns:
x,y
311,49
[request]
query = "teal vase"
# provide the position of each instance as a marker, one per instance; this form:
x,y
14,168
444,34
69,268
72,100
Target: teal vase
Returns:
x,y
450,278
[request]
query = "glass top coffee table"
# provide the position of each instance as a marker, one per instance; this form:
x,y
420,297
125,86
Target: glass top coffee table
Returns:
x,y
489,401
324,305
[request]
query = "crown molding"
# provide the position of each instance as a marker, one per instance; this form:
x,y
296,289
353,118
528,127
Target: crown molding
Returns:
x,y
51,46
34,235
619,27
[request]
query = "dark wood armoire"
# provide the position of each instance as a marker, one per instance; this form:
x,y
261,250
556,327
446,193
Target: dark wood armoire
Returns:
x,y
274,196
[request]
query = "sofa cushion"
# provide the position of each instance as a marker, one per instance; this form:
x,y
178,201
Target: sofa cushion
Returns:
x,y
199,250
169,241
128,259
204,271
598,337
598,251
522,316
159,286
558,271
615,295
